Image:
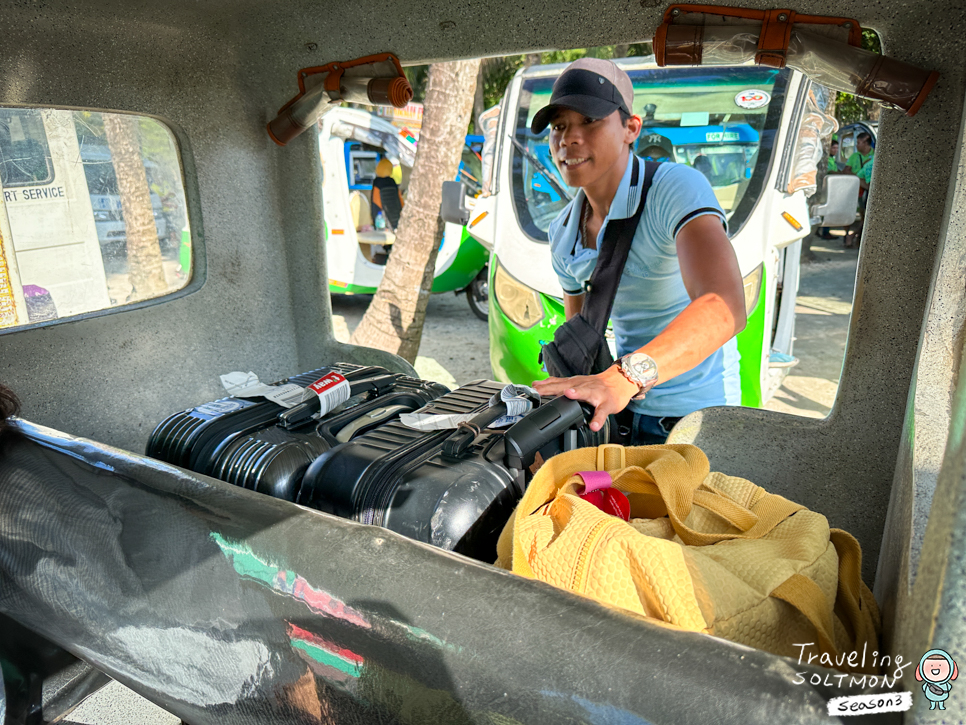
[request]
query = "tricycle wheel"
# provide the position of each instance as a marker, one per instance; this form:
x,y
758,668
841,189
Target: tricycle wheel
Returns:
x,y
478,294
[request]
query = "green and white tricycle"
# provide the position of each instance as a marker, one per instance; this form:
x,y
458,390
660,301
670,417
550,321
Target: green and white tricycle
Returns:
x,y
754,132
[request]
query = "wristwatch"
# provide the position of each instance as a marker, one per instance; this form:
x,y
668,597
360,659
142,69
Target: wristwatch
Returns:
x,y
641,370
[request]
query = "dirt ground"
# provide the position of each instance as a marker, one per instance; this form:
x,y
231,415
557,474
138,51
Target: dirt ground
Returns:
x,y
455,345
455,348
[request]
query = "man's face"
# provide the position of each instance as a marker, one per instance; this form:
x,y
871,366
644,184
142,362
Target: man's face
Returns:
x,y
863,145
586,149
834,149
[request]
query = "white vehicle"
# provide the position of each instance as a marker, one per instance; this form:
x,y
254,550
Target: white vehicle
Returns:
x,y
351,144
742,126
63,250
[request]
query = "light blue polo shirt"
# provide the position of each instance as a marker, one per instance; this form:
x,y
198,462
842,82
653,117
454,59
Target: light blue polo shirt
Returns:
x,y
651,291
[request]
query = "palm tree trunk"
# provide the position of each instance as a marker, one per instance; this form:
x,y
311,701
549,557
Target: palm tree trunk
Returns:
x,y
394,320
143,249
479,105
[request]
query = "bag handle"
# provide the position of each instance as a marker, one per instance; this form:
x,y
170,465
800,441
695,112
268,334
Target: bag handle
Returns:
x,y
854,604
678,487
808,598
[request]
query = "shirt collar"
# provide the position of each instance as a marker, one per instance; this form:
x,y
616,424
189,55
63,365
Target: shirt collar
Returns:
x,y
626,196
622,206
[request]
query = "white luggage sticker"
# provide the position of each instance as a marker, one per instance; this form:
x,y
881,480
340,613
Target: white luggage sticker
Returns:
x,y
247,385
518,398
288,395
332,389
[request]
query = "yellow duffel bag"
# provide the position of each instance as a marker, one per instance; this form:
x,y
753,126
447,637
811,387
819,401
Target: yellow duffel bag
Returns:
x,y
701,551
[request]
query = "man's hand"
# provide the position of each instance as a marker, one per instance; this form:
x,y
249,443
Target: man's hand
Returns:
x,y
609,392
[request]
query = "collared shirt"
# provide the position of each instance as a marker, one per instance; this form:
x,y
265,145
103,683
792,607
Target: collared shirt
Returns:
x,y
652,292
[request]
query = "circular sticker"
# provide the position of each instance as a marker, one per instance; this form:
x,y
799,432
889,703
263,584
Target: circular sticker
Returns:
x,y
752,98
219,407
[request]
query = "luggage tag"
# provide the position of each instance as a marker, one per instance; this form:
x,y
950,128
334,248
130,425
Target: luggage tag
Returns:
x,y
333,390
597,490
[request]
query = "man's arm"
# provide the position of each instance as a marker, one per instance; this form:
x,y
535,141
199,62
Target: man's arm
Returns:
x,y
711,275
849,169
573,304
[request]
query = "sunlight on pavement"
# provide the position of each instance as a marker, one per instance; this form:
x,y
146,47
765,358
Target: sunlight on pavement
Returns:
x,y
340,330
429,369
823,312
824,305
805,396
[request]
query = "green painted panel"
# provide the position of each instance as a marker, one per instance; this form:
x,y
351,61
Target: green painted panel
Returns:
x,y
750,342
470,259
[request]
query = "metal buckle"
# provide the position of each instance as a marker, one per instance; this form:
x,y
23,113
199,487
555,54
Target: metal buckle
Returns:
x,y
602,457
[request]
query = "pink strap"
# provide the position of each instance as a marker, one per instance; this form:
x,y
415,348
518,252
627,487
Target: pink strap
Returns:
x,y
595,480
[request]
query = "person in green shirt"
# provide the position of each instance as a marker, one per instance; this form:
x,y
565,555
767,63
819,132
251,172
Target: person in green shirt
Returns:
x,y
860,164
833,151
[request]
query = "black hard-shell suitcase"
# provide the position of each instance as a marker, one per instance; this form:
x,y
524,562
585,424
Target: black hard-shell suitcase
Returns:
x,y
260,445
452,489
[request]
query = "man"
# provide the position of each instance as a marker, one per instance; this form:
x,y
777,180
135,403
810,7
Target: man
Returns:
x,y
860,164
386,196
655,147
833,151
680,300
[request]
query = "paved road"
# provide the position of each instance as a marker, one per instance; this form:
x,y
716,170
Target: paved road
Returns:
x,y
821,329
455,350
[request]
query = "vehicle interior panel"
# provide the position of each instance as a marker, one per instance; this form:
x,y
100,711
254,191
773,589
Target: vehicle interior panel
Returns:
x,y
295,576
893,446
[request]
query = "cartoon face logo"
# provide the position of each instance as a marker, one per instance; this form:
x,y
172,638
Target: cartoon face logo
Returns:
x,y
936,671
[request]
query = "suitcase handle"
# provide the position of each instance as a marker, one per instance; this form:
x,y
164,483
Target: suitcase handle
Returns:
x,y
455,446
525,437
303,412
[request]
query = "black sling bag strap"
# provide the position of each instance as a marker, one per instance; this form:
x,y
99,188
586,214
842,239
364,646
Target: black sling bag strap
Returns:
x,y
579,346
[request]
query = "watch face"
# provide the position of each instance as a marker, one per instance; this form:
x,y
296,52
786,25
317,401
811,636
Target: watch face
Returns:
x,y
640,366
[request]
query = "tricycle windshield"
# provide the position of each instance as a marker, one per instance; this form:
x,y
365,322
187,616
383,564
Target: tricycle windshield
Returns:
x,y
721,121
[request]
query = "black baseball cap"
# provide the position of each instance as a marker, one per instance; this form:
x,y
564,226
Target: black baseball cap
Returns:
x,y
655,139
591,86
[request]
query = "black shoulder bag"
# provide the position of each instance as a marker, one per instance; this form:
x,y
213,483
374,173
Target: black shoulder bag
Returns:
x,y
579,346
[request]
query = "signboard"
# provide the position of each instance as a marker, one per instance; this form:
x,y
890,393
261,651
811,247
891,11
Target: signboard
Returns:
x,y
409,117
